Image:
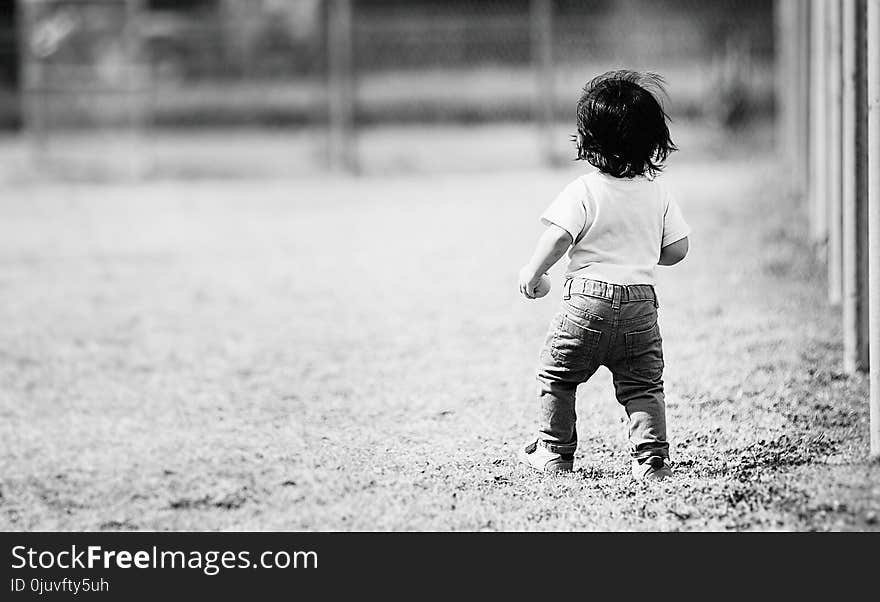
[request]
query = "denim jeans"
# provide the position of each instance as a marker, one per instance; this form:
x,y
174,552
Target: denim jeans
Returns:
x,y
601,324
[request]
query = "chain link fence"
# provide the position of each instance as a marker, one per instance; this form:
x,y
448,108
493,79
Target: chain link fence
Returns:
x,y
156,68
83,78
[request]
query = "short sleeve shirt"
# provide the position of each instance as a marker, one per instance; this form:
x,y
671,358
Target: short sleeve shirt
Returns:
x,y
617,226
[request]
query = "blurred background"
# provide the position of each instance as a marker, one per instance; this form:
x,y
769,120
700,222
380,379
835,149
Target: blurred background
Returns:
x,y
258,263
246,87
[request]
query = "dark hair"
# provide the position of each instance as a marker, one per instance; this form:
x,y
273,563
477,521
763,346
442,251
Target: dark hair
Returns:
x,y
622,125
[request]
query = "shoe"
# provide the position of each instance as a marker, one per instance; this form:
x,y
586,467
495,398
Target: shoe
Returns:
x,y
653,468
543,460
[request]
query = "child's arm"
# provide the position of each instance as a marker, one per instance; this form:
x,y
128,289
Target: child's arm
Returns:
x,y
673,253
551,246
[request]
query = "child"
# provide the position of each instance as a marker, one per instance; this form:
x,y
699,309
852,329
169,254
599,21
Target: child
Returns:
x,y
618,222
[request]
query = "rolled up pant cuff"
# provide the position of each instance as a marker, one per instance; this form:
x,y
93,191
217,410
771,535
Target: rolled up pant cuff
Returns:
x,y
559,448
641,454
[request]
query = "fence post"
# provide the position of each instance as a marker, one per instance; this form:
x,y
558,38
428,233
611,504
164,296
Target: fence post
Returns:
x,y
340,86
873,69
819,125
139,112
802,97
33,97
848,188
852,188
834,109
792,91
783,16
862,168
541,20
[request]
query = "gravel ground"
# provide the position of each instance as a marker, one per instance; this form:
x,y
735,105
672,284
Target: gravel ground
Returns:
x,y
351,354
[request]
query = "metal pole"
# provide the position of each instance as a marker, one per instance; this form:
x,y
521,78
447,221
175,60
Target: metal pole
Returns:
x,y
819,125
340,85
835,221
542,63
873,69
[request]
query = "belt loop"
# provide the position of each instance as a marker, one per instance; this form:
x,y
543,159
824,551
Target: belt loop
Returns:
x,y
566,289
616,294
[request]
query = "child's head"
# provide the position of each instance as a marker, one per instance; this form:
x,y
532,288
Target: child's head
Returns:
x,y
621,124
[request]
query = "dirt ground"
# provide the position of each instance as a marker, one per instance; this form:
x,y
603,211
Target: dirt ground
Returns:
x,y
350,353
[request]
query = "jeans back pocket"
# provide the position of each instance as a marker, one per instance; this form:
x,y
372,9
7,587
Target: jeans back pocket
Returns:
x,y
574,345
644,352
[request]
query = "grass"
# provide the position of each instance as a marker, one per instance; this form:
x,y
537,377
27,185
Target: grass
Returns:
x,y
351,353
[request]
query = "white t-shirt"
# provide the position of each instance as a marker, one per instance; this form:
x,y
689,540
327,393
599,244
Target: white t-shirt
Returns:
x,y
618,226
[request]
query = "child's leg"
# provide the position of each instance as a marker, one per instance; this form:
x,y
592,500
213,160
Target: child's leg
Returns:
x,y
567,359
638,383
645,405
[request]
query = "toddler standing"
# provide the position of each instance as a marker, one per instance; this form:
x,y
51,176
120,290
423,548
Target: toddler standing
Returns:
x,y
617,224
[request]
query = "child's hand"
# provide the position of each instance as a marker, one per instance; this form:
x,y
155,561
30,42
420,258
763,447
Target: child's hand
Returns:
x,y
551,246
528,281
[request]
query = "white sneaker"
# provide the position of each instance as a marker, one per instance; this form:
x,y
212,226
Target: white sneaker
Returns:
x,y
542,459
